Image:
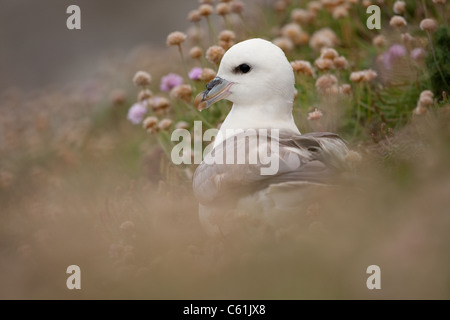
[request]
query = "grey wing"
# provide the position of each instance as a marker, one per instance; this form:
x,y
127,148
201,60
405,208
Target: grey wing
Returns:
x,y
314,157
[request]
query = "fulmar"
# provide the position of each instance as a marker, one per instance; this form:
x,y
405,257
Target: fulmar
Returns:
x,y
257,78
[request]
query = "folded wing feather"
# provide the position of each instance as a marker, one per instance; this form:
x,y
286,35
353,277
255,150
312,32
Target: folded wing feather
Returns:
x,y
314,158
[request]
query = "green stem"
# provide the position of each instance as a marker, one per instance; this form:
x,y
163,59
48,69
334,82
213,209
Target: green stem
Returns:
x,y
358,110
424,8
179,111
227,23
199,115
211,29
199,37
183,61
435,59
247,29
162,140
443,14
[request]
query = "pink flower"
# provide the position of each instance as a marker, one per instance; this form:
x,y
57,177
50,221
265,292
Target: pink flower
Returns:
x,y
137,112
417,54
195,73
170,81
395,52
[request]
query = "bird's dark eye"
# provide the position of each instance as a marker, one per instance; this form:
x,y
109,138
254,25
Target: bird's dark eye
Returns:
x,y
242,68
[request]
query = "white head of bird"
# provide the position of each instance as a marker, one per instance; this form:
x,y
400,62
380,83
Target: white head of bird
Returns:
x,y
257,77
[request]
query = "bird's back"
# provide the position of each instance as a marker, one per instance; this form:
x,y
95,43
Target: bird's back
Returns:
x,y
305,163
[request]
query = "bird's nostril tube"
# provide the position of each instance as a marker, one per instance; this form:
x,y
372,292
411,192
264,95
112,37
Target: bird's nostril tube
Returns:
x,y
213,83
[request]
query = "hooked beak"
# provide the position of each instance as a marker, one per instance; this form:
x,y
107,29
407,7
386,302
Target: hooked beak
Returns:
x,y
216,90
